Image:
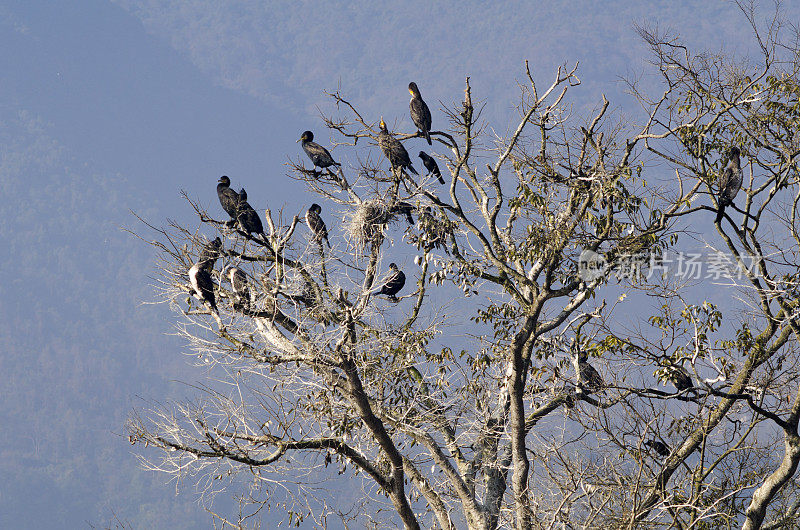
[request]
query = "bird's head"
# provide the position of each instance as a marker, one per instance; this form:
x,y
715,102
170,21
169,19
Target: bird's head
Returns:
x,y
383,124
225,181
227,272
412,88
315,208
734,151
242,195
393,266
422,154
306,136
217,243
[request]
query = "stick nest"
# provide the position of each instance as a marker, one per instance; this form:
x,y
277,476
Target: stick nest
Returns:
x,y
368,223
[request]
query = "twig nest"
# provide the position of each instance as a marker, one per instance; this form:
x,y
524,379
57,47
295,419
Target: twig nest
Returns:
x,y
368,222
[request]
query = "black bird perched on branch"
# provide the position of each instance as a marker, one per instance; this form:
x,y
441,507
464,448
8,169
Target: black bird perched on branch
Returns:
x,y
248,218
659,447
404,208
430,164
394,150
393,284
228,198
730,181
589,378
319,156
680,378
420,113
240,289
202,285
316,224
210,253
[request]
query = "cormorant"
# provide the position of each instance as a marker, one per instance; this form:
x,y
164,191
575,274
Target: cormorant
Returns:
x,y
228,198
589,378
393,284
319,156
420,113
430,164
248,218
240,289
210,253
680,378
202,285
659,447
730,181
316,224
394,150
404,208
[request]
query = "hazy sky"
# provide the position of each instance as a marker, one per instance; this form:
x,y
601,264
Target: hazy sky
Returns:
x,y
107,107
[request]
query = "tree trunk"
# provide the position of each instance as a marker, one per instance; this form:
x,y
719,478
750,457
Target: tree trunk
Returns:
x,y
766,492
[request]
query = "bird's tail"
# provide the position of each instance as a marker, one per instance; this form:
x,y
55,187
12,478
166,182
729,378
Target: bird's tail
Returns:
x,y
720,212
411,169
441,178
322,241
428,137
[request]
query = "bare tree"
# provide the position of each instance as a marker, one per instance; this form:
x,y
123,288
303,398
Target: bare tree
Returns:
x,y
534,404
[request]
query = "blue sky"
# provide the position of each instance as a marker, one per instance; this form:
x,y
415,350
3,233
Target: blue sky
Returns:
x,y
107,107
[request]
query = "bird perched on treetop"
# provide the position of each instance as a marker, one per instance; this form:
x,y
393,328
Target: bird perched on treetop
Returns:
x,y
394,150
210,253
420,113
589,378
680,378
393,283
659,447
404,208
316,224
202,285
730,181
430,164
248,218
228,198
319,156
240,289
